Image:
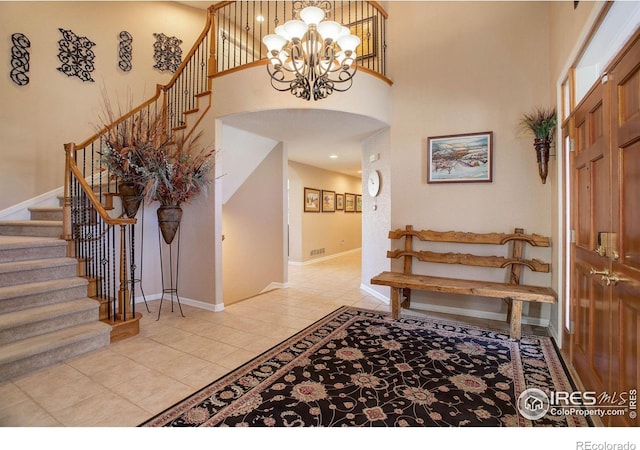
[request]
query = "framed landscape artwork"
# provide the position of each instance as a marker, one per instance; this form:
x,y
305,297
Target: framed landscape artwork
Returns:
x,y
328,201
461,158
349,202
340,202
358,203
311,200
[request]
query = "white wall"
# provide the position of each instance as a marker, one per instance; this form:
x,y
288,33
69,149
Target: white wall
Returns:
x,y
376,212
471,67
253,223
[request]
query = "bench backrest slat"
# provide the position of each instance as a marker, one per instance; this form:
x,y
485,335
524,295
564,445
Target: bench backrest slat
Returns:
x,y
471,238
514,263
498,262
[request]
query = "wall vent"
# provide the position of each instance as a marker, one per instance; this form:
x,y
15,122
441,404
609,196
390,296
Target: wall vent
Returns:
x,y
316,252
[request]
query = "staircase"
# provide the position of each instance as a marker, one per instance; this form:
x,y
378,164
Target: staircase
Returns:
x,y
45,314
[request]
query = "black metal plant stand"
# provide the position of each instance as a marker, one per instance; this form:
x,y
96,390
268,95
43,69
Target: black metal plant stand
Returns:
x,y
138,281
173,276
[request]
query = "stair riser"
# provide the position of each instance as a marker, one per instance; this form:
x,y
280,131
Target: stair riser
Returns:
x,y
28,330
34,362
26,230
46,215
41,299
26,254
40,274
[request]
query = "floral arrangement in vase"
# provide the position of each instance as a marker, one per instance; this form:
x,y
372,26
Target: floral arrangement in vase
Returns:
x,y
542,124
174,173
157,164
127,143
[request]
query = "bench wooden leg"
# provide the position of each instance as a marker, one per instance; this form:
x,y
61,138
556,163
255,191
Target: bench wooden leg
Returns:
x,y
516,319
395,303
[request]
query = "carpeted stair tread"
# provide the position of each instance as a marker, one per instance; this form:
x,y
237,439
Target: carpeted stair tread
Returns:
x,y
41,313
22,290
50,228
46,212
45,208
30,271
16,242
32,223
22,248
34,264
41,351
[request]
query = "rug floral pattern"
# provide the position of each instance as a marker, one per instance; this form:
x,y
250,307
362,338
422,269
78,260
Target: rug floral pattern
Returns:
x,y
361,368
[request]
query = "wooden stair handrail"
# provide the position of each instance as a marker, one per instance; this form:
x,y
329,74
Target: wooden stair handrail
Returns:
x,y
112,221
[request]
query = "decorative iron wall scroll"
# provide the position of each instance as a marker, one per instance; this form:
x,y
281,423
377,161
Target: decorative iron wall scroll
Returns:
x,y
167,52
76,55
20,59
125,50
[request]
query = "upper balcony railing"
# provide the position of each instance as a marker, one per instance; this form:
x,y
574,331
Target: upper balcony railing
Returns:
x,y
241,25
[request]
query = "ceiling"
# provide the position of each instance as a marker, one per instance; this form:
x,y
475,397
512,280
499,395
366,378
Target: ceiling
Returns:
x,y
313,135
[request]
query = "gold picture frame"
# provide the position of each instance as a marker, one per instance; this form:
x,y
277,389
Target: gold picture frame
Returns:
x,y
311,200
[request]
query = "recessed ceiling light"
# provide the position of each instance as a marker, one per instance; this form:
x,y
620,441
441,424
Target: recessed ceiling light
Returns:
x,y
333,156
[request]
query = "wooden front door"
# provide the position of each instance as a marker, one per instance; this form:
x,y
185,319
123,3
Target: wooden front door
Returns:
x,y
591,217
605,262
625,242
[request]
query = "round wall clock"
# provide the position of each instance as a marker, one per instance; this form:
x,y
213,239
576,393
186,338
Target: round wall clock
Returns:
x,y
374,183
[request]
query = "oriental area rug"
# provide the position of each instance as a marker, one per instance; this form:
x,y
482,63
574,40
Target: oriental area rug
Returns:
x,y
358,368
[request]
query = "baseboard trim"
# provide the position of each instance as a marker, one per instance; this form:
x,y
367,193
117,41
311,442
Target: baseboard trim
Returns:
x,y
274,285
324,258
183,300
369,290
20,211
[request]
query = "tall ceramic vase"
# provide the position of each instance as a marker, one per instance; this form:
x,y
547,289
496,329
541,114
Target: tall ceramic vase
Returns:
x,y
542,146
169,221
131,198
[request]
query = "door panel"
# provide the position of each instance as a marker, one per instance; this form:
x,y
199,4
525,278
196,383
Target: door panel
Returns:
x,y
629,163
625,255
591,354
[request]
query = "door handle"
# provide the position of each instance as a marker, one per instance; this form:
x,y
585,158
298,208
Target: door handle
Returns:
x,y
604,273
613,279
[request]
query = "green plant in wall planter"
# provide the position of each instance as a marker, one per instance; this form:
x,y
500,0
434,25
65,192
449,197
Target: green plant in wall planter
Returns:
x,y
542,123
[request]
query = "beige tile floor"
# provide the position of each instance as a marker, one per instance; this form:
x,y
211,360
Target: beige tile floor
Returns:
x,y
132,380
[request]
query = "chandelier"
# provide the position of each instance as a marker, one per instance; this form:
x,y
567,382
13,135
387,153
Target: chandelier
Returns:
x,y
311,56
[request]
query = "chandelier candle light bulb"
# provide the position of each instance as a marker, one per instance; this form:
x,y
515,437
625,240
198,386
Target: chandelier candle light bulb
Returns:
x,y
311,56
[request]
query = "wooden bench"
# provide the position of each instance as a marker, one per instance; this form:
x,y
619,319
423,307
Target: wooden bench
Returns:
x,y
512,291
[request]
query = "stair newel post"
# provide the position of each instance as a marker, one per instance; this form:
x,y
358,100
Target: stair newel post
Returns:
x,y
66,207
123,292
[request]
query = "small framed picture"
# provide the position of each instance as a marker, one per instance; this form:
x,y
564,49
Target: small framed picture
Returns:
x,y
311,200
328,201
349,202
460,158
358,203
339,202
